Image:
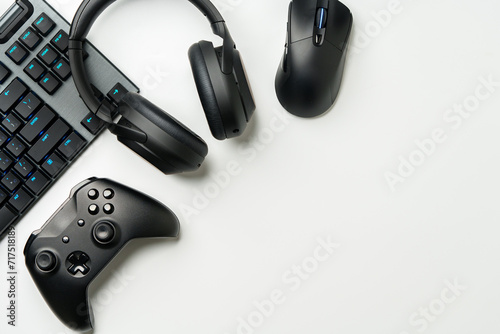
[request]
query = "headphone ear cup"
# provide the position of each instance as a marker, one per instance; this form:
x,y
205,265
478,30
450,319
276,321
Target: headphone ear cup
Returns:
x,y
170,145
206,91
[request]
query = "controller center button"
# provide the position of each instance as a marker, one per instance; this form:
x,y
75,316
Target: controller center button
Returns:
x,y
104,232
108,193
93,194
79,263
46,261
93,209
108,208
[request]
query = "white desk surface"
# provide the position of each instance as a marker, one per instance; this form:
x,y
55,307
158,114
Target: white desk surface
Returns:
x,y
419,257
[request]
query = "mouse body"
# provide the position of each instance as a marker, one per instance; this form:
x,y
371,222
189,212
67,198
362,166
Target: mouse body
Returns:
x,y
309,76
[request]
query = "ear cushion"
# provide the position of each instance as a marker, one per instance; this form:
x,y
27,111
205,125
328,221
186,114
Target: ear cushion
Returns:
x,y
206,91
166,123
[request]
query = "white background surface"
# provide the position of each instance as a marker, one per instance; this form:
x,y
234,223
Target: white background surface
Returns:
x,y
300,180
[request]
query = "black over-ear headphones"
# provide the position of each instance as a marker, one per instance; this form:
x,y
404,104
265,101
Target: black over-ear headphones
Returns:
x,y
146,129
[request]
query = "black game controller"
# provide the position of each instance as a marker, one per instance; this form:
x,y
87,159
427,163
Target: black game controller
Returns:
x,y
83,236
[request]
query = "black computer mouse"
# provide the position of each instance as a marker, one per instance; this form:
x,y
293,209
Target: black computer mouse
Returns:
x,y
310,74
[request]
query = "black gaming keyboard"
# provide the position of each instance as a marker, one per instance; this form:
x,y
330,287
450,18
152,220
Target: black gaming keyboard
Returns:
x,y
44,125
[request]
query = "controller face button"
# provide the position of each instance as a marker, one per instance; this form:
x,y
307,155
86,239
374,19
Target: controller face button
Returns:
x,y
104,232
65,239
81,222
46,261
93,209
93,194
108,193
108,208
78,263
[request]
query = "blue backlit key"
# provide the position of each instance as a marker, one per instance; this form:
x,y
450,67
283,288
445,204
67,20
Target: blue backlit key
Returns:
x,y
24,167
92,123
10,181
30,104
61,41
4,73
35,70
37,182
12,94
48,55
5,162
17,53
20,200
16,147
48,141
117,93
62,69
50,83
30,39
71,146
11,123
54,164
37,124
44,24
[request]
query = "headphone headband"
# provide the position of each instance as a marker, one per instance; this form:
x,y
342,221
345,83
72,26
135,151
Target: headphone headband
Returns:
x,y
87,14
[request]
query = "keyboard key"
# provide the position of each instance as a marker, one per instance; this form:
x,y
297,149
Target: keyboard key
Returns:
x,y
11,181
24,167
54,164
50,83
48,55
44,24
3,137
72,146
35,70
13,93
48,141
4,73
92,123
37,124
37,182
117,93
3,196
17,53
7,217
16,147
11,123
21,200
30,39
28,106
61,41
62,69
5,161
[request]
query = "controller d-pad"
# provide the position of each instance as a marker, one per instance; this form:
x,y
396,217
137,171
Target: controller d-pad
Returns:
x,y
78,263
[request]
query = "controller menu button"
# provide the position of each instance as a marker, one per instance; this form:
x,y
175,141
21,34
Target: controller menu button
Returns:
x,y
78,264
93,209
81,222
108,208
108,193
104,232
93,194
46,261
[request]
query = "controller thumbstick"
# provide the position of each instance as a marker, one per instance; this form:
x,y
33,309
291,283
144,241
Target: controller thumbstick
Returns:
x,y
104,232
46,261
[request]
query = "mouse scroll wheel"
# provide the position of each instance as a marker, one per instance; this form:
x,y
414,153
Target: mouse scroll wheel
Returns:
x,y
320,26
321,17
